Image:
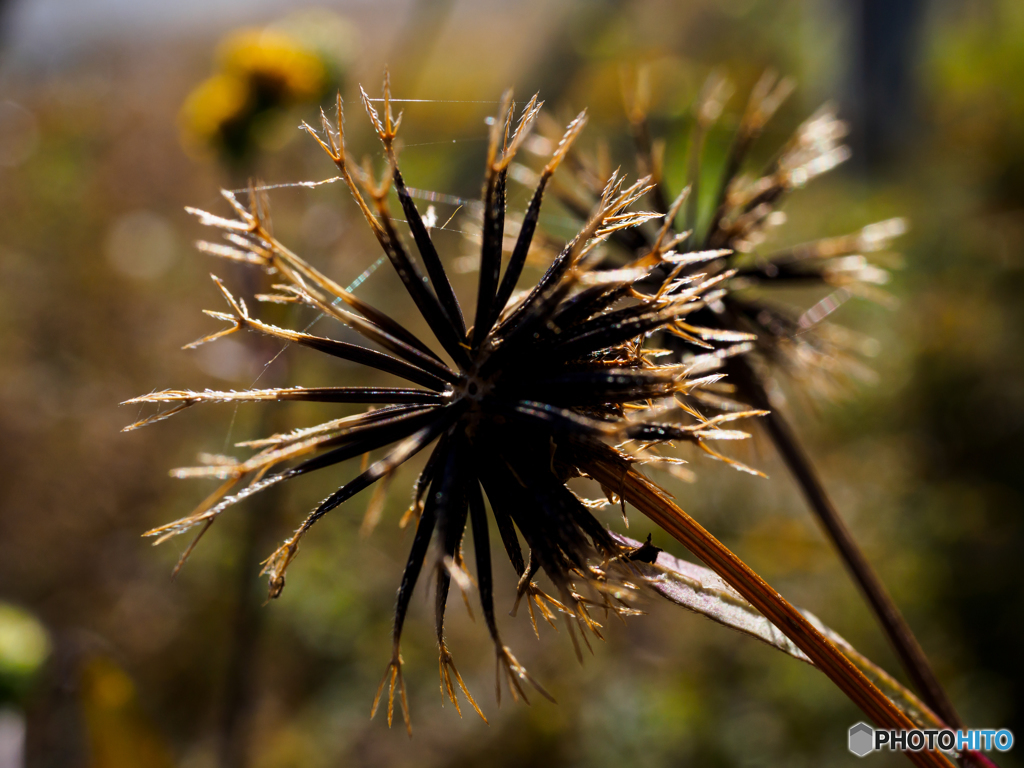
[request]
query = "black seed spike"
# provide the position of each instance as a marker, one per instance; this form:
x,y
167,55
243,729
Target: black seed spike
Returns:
x,y
482,550
398,346
369,357
427,474
502,517
554,418
451,525
401,453
416,284
588,303
566,506
520,251
599,387
357,442
431,259
490,255
611,333
393,395
439,497
527,328
555,544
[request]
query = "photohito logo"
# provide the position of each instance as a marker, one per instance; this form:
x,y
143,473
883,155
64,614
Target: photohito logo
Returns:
x,y
864,739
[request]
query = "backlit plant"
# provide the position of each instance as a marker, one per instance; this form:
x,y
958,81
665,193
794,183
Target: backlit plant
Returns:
x,y
801,343
529,391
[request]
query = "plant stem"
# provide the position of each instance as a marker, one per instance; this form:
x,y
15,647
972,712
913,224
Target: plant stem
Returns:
x,y
617,475
246,627
893,624
246,623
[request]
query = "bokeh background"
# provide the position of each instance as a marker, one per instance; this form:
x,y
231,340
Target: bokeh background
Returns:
x,y
115,114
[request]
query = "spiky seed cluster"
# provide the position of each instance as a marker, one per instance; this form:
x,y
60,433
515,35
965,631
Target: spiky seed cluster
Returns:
x,y
530,386
745,209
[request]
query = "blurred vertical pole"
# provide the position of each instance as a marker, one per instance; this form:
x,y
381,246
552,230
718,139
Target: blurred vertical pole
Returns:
x,y
882,78
239,685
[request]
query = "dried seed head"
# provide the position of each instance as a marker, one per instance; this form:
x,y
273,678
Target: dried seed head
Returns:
x,y
529,392
745,210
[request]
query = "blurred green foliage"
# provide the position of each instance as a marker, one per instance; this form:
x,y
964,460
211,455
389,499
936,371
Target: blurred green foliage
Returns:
x,y
24,648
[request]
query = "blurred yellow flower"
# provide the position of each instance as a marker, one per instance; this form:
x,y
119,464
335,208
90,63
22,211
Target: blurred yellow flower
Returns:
x,y
274,60
260,73
212,104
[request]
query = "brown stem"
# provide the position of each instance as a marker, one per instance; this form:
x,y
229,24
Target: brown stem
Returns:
x,y
895,627
617,475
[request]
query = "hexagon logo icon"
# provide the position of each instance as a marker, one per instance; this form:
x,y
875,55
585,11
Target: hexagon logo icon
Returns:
x,y
862,737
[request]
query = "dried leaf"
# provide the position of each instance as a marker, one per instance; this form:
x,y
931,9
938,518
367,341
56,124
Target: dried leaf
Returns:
x,y
703,591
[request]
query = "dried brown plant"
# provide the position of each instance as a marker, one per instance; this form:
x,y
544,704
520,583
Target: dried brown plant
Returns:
x,y
553,383
800,343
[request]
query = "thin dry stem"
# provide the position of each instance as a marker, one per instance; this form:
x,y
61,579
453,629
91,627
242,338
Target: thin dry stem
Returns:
x,y
656,504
